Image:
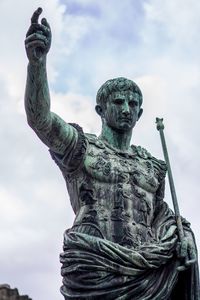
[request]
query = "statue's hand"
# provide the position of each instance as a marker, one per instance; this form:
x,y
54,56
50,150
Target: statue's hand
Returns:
x,y
186,251
38,38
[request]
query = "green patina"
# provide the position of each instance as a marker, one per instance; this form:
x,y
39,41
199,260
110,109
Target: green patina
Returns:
x,y
123,243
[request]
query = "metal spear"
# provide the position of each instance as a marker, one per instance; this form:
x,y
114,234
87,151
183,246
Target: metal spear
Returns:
x,y
160,128
181,235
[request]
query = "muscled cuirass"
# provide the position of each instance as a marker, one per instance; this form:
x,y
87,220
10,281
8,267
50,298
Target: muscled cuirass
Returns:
x,y
114,193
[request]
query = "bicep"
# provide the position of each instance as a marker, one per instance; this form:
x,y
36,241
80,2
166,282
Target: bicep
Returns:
x,y
57,134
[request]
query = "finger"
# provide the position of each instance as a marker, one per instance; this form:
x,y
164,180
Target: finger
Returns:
x,y
36,44
34,28
35,16
184,248
190,262
45,23
181,268
47,26
192,258
36,37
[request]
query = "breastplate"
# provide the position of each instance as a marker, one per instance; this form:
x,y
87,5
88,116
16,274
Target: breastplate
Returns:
x,y
116,192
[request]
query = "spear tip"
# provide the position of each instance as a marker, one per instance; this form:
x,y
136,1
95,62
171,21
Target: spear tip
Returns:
x,y
159,122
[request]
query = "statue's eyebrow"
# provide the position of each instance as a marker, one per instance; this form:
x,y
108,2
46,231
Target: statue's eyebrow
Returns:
x,y
134,97
119,96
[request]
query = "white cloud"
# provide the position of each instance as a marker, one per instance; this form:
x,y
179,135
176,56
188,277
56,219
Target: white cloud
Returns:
x,y
180,18
70,105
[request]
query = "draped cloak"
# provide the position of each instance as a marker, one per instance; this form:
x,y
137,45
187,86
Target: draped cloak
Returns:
x,y
95,268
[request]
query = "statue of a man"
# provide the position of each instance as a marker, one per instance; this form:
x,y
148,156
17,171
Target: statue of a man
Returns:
x,y
123,243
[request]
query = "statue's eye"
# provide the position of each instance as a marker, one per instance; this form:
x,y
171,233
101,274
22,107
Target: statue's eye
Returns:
x,y
133,103
118,101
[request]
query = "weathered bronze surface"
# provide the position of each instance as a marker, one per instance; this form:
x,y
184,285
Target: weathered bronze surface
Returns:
x,y
123,243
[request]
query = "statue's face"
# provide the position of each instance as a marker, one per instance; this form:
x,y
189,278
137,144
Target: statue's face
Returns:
x,y
122,110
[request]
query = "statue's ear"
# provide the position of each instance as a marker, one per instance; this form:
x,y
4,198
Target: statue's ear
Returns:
x,y
140,113
99,110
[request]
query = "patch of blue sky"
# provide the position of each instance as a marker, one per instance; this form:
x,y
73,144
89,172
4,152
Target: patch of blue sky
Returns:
x,y
132,9
84,9
111,34
75,74
160,41
93,55
113,41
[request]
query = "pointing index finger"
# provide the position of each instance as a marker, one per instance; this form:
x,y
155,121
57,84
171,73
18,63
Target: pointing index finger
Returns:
x,y
35,16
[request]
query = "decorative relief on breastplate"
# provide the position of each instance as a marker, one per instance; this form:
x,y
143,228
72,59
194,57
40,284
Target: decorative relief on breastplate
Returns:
x,y
87,194
103,165
127,184
90,217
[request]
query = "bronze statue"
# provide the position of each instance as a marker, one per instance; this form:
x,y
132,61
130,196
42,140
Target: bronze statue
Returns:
x,y
123,243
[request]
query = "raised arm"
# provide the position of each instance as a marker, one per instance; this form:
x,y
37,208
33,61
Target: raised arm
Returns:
x,y
50,128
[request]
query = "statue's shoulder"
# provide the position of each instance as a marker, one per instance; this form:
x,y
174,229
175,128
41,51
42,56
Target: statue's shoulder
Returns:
x,y
91,137
161,167
158,164
94,140
141,152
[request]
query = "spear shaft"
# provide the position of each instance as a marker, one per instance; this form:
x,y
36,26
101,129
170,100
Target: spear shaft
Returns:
x,y
160,128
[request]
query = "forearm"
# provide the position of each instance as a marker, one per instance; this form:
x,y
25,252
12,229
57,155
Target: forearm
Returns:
x,y
37,98
49,127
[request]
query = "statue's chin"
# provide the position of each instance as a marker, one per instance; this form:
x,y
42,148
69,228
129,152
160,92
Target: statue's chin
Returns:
x,y
124,128
121,128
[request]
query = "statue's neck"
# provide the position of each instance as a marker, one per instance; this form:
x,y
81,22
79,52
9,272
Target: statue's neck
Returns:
x,y
119,140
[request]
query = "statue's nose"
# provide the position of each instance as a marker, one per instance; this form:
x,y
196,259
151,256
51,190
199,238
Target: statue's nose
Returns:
x,y
126,109
126,113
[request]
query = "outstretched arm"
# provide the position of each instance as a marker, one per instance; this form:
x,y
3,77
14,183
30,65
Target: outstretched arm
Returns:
x,y
50,128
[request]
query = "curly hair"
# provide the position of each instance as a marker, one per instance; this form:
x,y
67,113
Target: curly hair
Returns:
x,y
116,85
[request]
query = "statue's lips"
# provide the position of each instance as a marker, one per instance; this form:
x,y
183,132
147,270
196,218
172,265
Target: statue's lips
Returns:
x,y
125,119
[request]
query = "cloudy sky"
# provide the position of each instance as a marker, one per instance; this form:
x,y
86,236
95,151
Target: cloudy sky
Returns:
x,y
154,42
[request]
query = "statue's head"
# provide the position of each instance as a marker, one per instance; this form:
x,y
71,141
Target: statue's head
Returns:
x,y
119,103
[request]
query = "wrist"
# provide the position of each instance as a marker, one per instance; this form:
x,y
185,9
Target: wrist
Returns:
x,y
38,63
37,66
